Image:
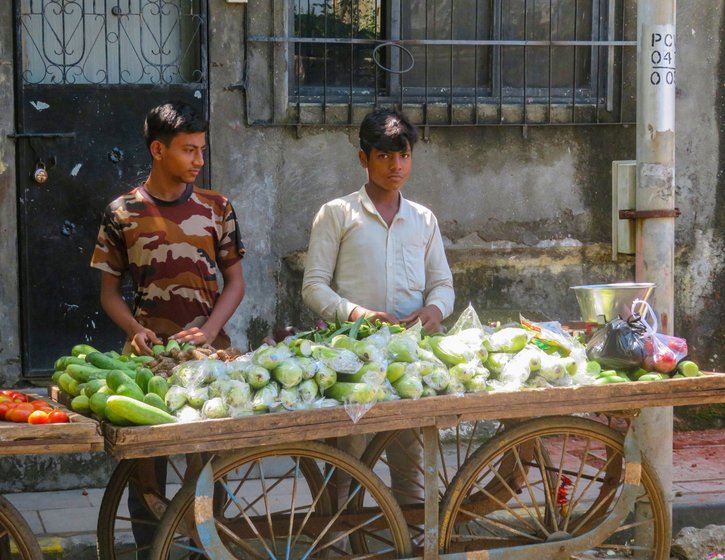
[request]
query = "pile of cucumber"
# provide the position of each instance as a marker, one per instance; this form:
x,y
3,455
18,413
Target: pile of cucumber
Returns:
x,y
114,387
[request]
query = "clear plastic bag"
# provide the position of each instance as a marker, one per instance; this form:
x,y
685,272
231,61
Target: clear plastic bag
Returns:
x,y
662,352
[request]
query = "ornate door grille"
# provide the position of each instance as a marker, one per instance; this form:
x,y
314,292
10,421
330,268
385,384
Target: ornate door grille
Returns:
x,y
112,41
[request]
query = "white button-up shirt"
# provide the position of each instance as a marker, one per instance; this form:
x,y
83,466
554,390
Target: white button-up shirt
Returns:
x,y
354,258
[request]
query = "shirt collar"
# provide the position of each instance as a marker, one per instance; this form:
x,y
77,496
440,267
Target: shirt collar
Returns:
x,y
403,211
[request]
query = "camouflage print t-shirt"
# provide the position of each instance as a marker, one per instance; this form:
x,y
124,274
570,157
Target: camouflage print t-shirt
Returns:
x,y
172,251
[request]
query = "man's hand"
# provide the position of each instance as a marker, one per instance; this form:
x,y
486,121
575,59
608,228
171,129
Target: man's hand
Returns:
x,y
360,311
195,335
142,341
430,316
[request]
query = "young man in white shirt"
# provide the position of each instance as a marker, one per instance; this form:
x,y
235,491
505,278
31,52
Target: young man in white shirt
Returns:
x,y
377,254
373,252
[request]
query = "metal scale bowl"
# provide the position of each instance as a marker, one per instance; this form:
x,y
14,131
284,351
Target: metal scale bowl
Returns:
x,y
600,303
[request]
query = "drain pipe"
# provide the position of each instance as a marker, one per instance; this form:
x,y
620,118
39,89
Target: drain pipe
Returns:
x,y
655,200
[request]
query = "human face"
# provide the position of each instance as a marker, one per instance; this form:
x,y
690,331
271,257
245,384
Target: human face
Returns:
x,y
182,159
387,171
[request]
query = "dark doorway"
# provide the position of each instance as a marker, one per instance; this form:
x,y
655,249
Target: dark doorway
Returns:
x,y
88,71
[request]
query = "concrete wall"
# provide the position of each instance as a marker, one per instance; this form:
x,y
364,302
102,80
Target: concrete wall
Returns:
x,y
524,216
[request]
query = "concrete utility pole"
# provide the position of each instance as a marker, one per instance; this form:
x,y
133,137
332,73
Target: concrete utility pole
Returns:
x,y
655,199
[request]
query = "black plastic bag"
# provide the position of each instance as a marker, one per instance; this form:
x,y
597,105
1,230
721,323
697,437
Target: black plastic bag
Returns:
x,y
619,344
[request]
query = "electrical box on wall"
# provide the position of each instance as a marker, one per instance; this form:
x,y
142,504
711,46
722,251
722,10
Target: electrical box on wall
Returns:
x,y
624,182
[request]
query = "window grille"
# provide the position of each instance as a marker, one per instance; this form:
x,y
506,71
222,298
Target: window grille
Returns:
x,y
112,42
445,62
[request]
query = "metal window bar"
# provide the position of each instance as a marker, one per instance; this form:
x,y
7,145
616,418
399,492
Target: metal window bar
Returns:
x,y
590,95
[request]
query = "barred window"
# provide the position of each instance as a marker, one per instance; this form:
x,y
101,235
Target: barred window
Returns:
x,y
448,63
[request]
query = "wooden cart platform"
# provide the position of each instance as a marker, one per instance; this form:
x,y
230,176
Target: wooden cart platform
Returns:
x,y
441,411
79,435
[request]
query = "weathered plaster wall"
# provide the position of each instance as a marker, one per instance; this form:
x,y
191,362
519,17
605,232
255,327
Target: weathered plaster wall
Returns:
x,y
9,305
524,216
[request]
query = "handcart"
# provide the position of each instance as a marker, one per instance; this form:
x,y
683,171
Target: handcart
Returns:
x,y
553,477
79,435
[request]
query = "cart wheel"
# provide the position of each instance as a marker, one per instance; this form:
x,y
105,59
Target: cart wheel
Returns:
x,y
568,485
16,537
277,503
405,478
114,530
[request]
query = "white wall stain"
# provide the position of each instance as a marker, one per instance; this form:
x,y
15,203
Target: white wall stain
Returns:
x,y
39,105
76,169
197,94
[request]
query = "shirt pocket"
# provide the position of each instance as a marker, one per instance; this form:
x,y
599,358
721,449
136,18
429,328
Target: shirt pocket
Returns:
x,y
414,259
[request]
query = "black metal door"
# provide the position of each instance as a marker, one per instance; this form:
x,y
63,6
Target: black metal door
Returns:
x,y
89,71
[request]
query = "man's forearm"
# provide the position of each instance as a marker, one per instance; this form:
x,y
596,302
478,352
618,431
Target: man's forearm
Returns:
x,y
230,298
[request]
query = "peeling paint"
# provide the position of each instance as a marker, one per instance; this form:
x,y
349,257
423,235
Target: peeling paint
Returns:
x,y
39,105
76,169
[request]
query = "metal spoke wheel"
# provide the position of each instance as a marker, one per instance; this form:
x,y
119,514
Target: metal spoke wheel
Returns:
x,y
567,475
279,502
397,458
16,537
126,533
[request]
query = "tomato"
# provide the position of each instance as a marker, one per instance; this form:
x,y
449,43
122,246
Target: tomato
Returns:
x,y
47,409
17,396
57,417
39,403
4,408
19,415
38,417
7,392
4,398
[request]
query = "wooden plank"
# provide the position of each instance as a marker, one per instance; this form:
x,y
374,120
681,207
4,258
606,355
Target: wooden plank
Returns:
x,y
235,433
81,434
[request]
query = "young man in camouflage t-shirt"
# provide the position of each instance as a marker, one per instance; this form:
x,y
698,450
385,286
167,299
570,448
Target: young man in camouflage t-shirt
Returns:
x,y
171,237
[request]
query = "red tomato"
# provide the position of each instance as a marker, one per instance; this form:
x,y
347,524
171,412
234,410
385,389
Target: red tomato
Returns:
x,y
5,407
19,415
39,403
7,392
38,417
19,397
57,417
4,398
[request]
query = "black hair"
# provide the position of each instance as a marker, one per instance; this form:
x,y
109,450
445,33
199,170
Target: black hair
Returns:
x,y
387,130
169,119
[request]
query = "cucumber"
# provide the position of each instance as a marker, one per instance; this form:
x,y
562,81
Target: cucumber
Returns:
x,y
158,349
688,368
115,419
158,385
154,400
117,377
113,354
68,384
137,412
79,349
64,361
80,404
102,361
85,372
172,347
93,386
55,376
143,376
141,359
130,390
97,404
649,377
